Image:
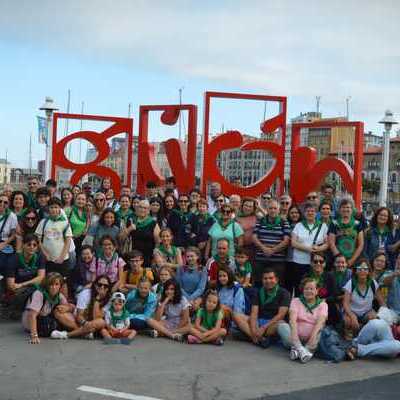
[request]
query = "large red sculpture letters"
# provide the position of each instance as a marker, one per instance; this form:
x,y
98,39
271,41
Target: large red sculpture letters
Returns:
x,y
306,172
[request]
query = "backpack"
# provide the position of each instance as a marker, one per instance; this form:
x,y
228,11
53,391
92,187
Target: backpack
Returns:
x,y
44,227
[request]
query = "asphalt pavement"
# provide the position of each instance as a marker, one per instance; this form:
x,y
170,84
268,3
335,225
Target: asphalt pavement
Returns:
x,y
166,370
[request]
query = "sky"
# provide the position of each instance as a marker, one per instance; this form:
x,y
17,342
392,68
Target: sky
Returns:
x,y
112,53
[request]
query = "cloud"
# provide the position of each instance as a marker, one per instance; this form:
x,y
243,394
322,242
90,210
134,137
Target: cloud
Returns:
x,y
304,48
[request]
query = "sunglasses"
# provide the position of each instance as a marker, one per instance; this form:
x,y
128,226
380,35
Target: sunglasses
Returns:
x,y
30,218
100,200
285,202
319,262
103,285
3,202
366,269
183,201
266,197
226,211
311,197
221,201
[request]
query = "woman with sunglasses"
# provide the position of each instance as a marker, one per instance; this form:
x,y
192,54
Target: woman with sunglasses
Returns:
x,y
99,207
24,270
182,223
27,225
225,228
360,293
19,203
8,226
285,201
89,312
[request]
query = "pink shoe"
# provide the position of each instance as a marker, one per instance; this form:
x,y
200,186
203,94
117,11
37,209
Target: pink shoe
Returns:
x,y
193,339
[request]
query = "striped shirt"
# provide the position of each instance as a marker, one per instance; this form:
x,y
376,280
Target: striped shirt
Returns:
x,y
271,236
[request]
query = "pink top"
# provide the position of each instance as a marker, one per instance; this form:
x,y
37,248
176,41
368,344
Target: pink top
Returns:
x,y
247,223
109,267
306,320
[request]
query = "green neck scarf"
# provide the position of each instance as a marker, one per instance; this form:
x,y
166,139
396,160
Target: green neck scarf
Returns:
x,y
53,301
4,216
116,318
310,230
243,269
125,215
368,284
108,261
266,296
57,218
203,217
22,213
225,227
310,307
342,225
184,216
144,223
382,233
221,261
271,225
75,212
169,253
31,265
339,275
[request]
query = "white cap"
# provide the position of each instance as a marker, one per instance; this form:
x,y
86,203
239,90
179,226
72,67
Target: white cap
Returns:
x,y
118,296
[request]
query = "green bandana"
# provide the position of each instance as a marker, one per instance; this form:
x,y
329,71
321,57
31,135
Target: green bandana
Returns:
x,y
346,241
57,218
118,318
266,296
55,301
276,222
310,230
108,261
32,263
309,307
125,215
22,213
203,218
184,216
143,224
357,289
244,270
219,260
225,227
169,253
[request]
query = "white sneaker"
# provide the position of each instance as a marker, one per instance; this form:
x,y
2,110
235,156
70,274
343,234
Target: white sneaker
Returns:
x,y
305,355
294,354
153,333
89,336
59,334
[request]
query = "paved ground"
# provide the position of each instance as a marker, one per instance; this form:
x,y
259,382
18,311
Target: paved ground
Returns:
x,y
165,370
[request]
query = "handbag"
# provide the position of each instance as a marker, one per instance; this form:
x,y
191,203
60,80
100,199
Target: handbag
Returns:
x,y
46,325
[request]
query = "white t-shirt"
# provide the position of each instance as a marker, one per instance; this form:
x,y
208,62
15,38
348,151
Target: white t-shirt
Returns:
x,y
358,304
55,234
83,300
306,238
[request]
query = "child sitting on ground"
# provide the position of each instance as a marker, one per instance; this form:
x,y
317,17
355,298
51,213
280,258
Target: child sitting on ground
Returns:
x,y
117,322
208,325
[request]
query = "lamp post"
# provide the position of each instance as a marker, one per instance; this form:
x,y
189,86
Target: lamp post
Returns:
x,y
48,107
388,122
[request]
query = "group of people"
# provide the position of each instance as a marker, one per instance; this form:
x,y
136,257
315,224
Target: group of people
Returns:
x,y
196,268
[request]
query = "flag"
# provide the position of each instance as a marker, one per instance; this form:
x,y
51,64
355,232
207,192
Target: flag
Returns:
x,y
42,129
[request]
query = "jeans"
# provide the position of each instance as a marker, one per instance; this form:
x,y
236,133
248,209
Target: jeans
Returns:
x,y
138,324
376,339
284,333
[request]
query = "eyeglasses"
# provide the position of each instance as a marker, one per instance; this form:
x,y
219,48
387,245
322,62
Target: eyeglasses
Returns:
x,y
3,202
319,262
285,202
221,201
103,285
311,197
366,269
30,218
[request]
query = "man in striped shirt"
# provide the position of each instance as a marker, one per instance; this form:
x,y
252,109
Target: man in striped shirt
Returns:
x,y
271,237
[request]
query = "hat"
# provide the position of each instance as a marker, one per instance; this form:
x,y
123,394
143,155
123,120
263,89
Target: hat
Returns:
x,y
118,296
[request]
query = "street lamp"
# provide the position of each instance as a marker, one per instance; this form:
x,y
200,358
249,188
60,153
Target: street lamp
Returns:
x,y
388,122
48,107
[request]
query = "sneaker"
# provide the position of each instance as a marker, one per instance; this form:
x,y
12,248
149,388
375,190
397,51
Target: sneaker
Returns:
x,y
90,336
305,355
153,333
294,354
219,342
59,335
177,337
193,340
